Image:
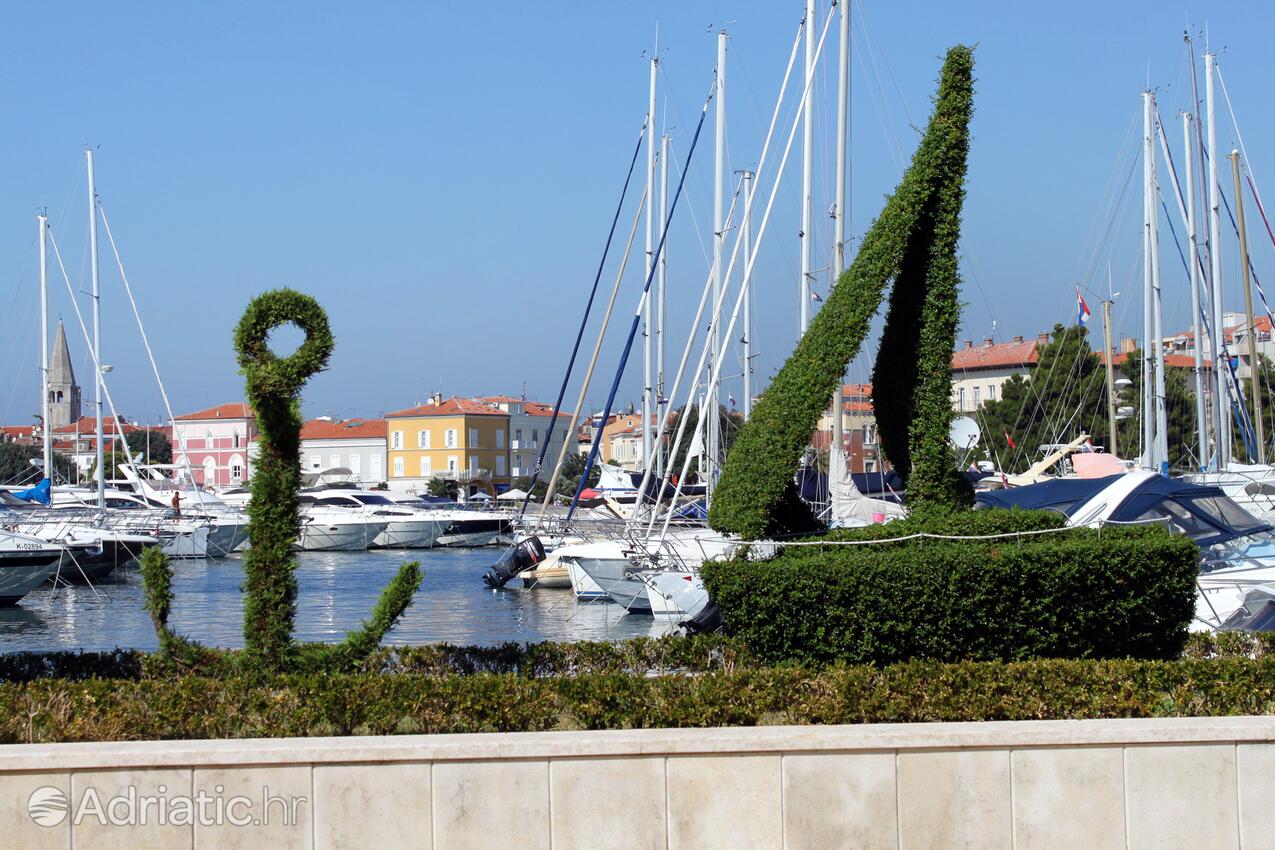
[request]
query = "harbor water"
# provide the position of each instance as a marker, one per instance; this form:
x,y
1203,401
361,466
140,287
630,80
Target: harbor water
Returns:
x,y
337,591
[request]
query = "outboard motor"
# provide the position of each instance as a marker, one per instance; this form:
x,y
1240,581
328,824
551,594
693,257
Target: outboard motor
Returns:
x,y
707,620
520,558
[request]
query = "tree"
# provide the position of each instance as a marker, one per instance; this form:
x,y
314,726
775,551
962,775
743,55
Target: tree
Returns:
x,y
912,243
150,443
569,477
442,487
1063,396
1179,409
16,468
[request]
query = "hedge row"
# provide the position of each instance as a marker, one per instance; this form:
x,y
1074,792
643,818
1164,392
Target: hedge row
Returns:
x,y
1112,593
640,656
982,522
367,704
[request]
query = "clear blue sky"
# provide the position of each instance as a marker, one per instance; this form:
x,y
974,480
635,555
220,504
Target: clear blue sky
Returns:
x,y
441,175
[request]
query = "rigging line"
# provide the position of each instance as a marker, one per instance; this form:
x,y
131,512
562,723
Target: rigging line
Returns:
x,y
863,16
1109,196
892,143
1248,165
748,271
637,316
1116,210
97,366
181,438
696,228
644,133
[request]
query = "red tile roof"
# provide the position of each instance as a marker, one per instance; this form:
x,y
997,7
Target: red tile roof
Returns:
x,y
451,407
349,429
87,425
995,355
855,390
1177,361
500,399
233,410
535,408
14,432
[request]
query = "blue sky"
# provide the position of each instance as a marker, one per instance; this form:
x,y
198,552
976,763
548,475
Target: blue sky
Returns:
x,y
441,175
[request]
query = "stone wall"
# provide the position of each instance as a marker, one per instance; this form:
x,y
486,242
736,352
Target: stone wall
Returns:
x,y
1194,782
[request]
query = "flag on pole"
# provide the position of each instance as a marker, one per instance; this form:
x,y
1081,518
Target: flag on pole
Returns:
x,y
731,397
1082,309
814,296
1010,440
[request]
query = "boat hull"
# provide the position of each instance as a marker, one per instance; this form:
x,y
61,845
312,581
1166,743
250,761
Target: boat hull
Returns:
x,y
22,572
409,534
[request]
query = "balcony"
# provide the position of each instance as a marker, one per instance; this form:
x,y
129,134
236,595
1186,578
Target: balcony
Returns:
x,y
463,474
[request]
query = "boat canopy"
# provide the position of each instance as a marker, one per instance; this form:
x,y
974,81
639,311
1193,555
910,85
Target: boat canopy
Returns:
x,y
1205,514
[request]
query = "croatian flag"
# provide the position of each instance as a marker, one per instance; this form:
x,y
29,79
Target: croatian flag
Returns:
x,y
1082,309
814,296
731,396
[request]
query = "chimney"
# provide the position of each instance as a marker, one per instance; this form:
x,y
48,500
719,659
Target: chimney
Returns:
x,y
1018,339
987,341
969,343
436,399
1043,338
1127,345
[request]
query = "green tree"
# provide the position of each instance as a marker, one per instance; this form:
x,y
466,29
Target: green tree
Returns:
x,y
1063,396
442,487
912,243
152,443
569,478
1179,409
16,468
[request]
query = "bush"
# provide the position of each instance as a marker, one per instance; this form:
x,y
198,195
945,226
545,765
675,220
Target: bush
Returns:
x,y
1111,593
956,523
369,704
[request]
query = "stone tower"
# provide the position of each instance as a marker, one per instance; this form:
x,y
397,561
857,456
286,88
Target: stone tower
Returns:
x,y
64,393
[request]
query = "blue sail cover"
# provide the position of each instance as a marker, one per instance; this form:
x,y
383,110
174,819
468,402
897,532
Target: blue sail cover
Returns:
x,y
39,493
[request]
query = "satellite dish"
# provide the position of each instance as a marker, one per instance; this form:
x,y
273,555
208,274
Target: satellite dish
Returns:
x,y
964,433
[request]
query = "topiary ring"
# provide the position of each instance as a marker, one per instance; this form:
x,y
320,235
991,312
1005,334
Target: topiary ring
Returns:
x,y
268,375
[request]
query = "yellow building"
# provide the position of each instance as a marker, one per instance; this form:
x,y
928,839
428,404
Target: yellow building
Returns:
x,y
458,439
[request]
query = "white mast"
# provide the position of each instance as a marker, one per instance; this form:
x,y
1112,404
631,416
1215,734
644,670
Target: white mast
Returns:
x,y
807,173
745,233
97,333
713,426
647,325
1148,301
1222,406
659,319
1201,418
839,216
46,426
1157,316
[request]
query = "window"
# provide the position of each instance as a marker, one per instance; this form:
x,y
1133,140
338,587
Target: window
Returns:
x,y
356,464
236,438
449,439
427,466
374,471
473,464
518,436
991,392
334,461
500,464
398,467
453,463
396,440
473,438
209,442
960,395
236,472
500,438
422,439
315,462
976,396
535,437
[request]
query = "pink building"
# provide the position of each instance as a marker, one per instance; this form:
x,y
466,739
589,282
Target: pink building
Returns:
x,y
216,443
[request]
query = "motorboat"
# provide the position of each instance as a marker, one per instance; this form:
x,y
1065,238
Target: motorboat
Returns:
x,y
465,526
325,528
25,563
406,526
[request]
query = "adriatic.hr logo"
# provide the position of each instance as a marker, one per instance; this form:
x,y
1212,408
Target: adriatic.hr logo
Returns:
x,y
48,806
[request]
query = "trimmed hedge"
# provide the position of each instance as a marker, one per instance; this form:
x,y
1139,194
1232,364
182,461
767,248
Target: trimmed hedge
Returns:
x,y
755,497
1110,593
955,523
369,704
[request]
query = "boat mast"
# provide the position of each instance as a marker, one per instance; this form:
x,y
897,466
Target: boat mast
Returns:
x,y
660,400
97,332
1148,360
1222,414
1253,370
807,166
46,426
1201,417
713,425
745,233
647,385
839,215
1111,369
1157,318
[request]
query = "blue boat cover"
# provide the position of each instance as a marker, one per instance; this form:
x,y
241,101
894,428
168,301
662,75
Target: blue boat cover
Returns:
x,y
39,493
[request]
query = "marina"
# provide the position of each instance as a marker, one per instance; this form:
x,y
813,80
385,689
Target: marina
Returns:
x,y
337,589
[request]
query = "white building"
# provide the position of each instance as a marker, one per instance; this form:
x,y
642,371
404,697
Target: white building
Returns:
x,y
528,426
355,444
979,371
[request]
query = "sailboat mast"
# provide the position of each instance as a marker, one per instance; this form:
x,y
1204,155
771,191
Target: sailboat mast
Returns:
x,y
839,217
1111,369
1157,315
1148,360
807,173
97,332
659,318
713,425
1254,373
647,325
1222,415
1201,418
745,233
46,425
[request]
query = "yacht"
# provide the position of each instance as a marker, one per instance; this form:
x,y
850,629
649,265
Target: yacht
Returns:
x,y
465,526
328,528
25,563
406,526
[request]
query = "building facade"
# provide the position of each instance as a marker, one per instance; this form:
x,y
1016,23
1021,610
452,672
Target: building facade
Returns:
x,y
358,445
979,371
215,443
528,431
458,439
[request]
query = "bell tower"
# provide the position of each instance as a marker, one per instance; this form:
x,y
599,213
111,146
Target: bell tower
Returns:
x,y
64,393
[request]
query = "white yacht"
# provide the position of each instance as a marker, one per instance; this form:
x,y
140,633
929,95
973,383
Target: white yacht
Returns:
x,y
25,563
325,528
465,526
406,526
130,513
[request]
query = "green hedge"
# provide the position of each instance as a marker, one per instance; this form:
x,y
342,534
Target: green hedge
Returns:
x,y
368,704
955,523
1113,593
